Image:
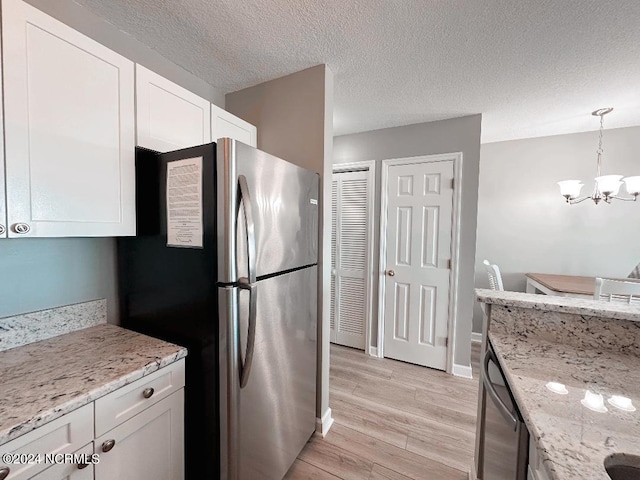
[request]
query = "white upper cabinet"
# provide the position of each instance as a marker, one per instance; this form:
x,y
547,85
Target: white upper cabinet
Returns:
x,y
3,211
69,130
224,124
169,117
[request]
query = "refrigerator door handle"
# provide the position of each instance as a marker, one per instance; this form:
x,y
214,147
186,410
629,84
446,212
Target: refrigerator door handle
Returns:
x,y
248,283
250,229
245,369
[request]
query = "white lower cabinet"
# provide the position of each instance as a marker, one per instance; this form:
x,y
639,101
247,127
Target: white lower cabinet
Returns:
x,y
70,471
138,435
149,446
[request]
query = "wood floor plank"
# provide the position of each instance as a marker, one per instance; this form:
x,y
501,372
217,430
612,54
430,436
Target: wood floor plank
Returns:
x,y
339,384
383,473
367,420
402,461
448,445
403,398
343,463
301,470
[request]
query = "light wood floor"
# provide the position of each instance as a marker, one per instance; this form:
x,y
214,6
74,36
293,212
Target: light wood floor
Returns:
x,y
393,420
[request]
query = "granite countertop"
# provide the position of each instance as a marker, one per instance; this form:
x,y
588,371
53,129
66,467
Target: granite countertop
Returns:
x,y
550,303
572,440
42,381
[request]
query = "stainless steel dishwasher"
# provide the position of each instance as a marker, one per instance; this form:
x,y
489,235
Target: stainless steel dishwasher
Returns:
x,y
505,447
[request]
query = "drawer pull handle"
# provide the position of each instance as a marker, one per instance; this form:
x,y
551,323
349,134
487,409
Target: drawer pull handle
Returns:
x,y
4,472
82,465
2,229
148,392
108,445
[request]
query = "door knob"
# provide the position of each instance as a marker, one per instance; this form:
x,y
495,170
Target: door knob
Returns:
x,y
391,273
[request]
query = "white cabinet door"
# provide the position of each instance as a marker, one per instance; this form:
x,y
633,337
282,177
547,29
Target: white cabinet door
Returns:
x,y
224,124
169,117
69,130
3,211
149,446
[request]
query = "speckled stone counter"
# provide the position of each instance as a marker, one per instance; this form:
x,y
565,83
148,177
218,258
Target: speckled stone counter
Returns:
x,y
584,345
42,381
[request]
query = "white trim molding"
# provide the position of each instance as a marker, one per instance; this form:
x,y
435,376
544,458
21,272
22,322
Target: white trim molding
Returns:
x,y
462,371
457,158
476,337
370,167
323,425
373,351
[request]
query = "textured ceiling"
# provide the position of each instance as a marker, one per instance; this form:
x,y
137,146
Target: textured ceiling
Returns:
x,y
531,67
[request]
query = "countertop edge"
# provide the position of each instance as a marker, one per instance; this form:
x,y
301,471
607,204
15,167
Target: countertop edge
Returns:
x,y
91,395
552,303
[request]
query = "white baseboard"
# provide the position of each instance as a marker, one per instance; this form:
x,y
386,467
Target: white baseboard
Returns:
x,y
463,371
324,424
476,337
373,351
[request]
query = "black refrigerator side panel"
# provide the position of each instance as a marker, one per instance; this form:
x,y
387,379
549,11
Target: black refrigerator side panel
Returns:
x,y
171,293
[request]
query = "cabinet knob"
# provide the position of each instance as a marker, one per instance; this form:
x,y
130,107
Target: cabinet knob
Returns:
x,y
82,466
148,392
21,228
2,229
4,472
108,445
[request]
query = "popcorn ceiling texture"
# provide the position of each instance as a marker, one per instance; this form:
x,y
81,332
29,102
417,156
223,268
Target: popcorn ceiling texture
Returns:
x,y
531,68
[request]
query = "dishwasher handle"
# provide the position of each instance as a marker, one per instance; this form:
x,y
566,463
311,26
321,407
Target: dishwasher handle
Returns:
x,y
491,391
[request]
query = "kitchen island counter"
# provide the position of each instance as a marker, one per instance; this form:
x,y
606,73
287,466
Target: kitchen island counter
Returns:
x,y
595,353
42,381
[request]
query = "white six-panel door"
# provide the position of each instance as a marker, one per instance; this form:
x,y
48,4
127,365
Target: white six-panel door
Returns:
x,y
349,247
417,267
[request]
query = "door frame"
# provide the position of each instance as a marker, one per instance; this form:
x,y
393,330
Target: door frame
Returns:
x,y
370,166
455,245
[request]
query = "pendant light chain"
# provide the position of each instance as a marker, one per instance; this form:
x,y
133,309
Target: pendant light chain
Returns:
x,y
600,150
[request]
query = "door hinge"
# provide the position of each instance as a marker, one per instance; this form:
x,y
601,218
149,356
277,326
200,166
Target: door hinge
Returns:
x,y
449,264
453,182
446,342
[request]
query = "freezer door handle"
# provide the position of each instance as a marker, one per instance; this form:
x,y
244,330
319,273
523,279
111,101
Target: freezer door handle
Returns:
x,y
245,368
245,199
491,391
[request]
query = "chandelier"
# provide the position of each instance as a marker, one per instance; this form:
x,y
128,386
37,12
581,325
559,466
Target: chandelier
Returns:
x,y
606,186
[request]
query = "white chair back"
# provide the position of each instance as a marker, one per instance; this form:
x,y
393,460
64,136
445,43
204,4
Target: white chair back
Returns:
x,y
617,291
495,279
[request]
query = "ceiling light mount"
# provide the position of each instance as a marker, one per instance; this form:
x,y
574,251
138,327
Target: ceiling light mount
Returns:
x,y
606,186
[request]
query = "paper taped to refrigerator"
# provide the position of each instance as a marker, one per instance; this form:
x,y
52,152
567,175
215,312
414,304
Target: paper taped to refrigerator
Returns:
x,y
184,203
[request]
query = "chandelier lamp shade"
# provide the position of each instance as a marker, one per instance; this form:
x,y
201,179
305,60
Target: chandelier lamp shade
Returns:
x,y
607,187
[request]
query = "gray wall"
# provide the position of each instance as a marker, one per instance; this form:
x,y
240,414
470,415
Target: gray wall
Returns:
x,y
86,22
41,273
294,116
447,136
524,224
45,273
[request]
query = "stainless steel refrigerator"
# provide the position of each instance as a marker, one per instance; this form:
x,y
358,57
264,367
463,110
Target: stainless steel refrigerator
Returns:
x,y
225,263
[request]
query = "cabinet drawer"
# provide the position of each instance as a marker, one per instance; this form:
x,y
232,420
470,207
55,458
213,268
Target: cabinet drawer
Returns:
x,y
124,403
63,435
69,471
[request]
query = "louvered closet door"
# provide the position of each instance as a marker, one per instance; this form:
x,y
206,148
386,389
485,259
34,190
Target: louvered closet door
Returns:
x,y
349,258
